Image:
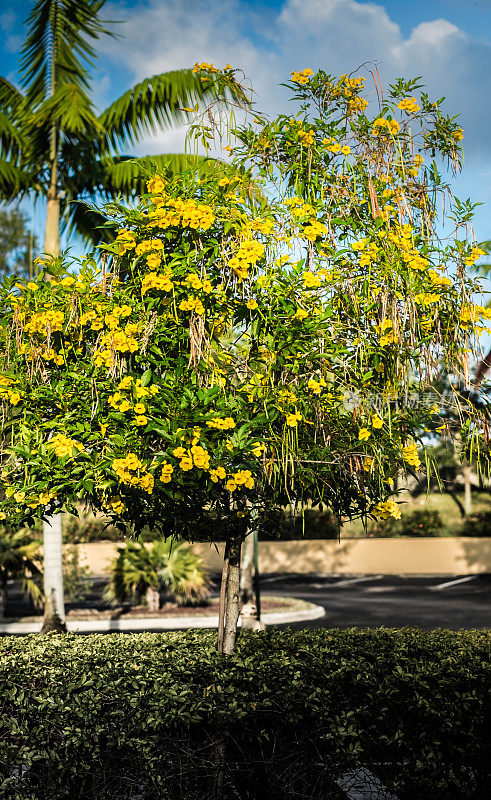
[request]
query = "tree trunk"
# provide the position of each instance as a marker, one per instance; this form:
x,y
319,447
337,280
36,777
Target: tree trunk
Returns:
x,y
52,230
54,610
232,596
246,569
466,473
152,599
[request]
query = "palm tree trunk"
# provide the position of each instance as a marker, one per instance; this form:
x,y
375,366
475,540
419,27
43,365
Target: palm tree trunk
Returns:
x,y
152,599
246,568
466,473
54,610
52,230
3,598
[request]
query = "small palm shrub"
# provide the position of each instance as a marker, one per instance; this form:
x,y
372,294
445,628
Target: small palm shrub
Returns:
x,y
19,561
139,572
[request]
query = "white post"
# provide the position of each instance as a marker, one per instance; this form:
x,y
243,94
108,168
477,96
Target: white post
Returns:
x,y
54,614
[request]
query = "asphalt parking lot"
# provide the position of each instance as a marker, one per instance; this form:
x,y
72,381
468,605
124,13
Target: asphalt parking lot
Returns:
x,y
455,601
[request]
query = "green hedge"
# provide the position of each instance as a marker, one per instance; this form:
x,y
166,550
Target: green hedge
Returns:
x,y
154,716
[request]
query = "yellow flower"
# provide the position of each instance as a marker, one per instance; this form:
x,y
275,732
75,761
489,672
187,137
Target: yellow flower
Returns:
x,y
292,420
377,422
258,448
179,452
310,280
363,434
301,76
167,470
231,485
141,420
387,509
186,463
409,105
125,406
252,304
301,313
139,408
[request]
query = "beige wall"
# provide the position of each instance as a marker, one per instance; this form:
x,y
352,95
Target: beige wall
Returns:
x,y
444,556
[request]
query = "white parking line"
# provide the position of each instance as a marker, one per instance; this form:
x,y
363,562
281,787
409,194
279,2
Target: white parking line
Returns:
x,y
347,582
453,583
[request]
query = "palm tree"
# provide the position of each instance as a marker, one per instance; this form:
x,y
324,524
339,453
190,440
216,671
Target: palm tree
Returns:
x,y
140,571
19,562
53,144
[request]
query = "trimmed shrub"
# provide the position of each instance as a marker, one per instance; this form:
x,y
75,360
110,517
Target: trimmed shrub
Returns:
x,y
163,716
420,522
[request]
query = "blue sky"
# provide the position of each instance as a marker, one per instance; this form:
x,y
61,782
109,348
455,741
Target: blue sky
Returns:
x,y
447,42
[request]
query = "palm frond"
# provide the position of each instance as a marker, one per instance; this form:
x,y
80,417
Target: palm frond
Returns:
x,y
154,104
59,31
10,97
14,181
70,109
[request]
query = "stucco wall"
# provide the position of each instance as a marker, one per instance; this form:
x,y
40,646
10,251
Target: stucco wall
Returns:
x,y
445,556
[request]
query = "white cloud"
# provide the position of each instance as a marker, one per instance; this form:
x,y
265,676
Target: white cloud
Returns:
x,y
337,35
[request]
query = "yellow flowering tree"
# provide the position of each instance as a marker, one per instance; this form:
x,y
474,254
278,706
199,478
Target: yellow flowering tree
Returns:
x,y
244,349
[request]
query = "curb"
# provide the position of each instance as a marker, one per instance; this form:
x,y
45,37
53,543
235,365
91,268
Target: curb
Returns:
x,y
160,623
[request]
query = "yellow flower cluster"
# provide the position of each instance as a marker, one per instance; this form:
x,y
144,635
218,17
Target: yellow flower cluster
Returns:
x,y
192,304
51,355
112,318
301,76
474,255
382,126
187,213
241,478
125,240
166,474
63,445
313,230
45,321
221,424
124,467
293,419
121,340
149,246
438,280
409,105
116,504
410,455
208,67
249,252
217,474
316,386
387,509
306,137
161,283
258,448
8,390
196,456
311,280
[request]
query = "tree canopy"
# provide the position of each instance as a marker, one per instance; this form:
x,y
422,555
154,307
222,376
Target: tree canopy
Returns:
x,y
239,352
